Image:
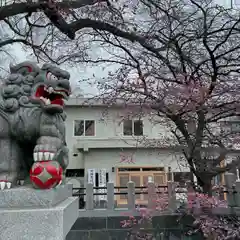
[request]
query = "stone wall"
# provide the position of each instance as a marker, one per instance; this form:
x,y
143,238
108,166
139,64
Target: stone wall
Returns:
x,y
109,228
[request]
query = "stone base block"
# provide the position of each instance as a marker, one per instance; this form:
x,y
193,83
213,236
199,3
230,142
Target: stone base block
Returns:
x,y
39,223
26,197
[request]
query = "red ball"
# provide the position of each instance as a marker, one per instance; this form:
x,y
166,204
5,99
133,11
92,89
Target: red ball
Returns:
x,y
46,174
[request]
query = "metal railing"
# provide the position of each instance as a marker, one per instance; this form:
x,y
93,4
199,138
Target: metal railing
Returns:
x,y
143,190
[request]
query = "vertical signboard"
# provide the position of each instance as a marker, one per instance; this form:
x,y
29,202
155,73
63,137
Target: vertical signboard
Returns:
x,y
92,176
102,183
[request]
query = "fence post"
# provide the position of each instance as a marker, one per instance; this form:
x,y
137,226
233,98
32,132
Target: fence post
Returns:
x,y
191,194
110,195
230,179
172,205
131,195
237,195
89,196
152,196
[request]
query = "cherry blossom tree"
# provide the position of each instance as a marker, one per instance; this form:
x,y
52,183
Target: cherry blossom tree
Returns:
x,y
57,30
182,67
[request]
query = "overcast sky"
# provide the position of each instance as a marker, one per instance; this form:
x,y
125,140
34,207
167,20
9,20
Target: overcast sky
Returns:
x,y
81,72
77,73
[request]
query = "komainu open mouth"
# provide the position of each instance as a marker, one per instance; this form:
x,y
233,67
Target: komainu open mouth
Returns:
x,y
51,96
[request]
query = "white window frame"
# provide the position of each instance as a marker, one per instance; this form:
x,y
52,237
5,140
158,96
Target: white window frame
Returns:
x,y
84,120
229,125
133,120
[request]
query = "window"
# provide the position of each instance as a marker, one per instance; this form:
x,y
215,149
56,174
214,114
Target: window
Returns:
x,y
182,177
75,172
84,128
132,127
230,126
235,127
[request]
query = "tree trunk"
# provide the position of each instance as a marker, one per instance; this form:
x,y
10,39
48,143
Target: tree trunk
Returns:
x,y
207,187
205,182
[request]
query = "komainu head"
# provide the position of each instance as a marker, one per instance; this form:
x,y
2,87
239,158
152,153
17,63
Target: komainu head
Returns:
x,y
31,86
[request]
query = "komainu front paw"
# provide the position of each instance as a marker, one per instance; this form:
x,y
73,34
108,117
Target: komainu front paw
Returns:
x,y
7,180
44,153
4,184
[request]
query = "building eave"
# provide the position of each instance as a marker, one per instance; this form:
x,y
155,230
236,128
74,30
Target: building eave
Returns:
x,y
120,144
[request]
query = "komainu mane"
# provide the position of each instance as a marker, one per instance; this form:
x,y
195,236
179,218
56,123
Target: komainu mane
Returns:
x,y
32,120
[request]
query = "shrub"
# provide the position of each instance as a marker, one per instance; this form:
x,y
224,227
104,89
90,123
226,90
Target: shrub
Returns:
x,y
207,222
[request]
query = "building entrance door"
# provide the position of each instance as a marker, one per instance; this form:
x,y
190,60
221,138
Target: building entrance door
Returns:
x,y
140,176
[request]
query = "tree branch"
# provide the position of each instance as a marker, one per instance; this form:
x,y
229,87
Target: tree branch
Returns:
x,y
30,7
25,42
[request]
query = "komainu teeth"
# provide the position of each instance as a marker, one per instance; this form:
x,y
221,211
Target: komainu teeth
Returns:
x,y
61,93
45,100
8,184
35,157
48,101
43,156
51,156
40,156
46,156
50,90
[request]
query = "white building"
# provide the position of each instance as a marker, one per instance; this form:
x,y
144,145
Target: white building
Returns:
x,y
112,143
126,147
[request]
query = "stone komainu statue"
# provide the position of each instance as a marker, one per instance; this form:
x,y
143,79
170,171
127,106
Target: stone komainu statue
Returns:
x,y
32,119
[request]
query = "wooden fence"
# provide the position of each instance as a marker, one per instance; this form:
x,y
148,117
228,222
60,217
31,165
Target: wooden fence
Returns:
x,y
170,191
151,191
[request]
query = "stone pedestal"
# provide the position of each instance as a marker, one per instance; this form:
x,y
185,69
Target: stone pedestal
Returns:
x,y
30,214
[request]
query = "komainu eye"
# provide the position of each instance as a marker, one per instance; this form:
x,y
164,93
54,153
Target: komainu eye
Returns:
x,y
51,76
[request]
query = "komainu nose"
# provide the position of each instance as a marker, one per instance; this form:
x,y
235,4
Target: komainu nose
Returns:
x,y
63,83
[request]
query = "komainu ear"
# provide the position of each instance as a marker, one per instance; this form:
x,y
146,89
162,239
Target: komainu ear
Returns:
x,y
24,68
